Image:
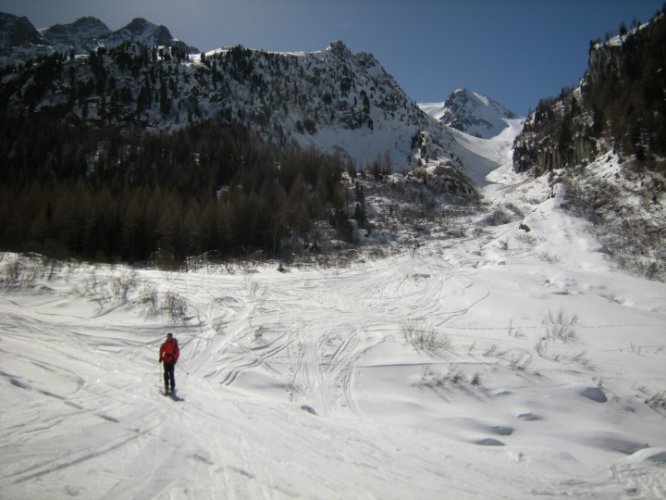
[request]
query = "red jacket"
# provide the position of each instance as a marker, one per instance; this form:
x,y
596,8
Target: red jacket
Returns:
x,y
169,351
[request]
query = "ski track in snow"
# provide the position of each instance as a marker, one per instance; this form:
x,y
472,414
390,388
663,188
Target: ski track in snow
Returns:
x,y
534,370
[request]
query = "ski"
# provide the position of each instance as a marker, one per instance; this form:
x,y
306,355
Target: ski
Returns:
x,y
172,395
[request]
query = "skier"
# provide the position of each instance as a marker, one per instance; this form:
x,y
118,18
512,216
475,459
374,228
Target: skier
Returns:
x,y
169,353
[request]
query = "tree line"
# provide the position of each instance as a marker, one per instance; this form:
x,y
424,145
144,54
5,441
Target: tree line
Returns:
x,y
106,194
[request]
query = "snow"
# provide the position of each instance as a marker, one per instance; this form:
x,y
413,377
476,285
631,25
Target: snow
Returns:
x,y
501,364
482,156
482,98
434,109
388,139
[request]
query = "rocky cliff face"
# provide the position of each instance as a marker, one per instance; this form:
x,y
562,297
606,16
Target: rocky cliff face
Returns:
x,y
559,133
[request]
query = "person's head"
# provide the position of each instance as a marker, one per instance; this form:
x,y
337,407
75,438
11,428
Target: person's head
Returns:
x,y
169,335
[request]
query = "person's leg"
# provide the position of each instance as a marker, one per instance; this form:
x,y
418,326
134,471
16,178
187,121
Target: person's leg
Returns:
x,y
169,377
172,375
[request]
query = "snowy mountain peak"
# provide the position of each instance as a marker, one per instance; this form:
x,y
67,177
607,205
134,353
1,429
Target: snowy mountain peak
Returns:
x,y
81,35
17,32
84,26
140,24
143,31
470,112
21,41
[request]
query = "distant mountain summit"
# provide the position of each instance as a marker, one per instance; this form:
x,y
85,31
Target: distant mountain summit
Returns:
x,y
21,41
142,31
83,34
18,32
470,112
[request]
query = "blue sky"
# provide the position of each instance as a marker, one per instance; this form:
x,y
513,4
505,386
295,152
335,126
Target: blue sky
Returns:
x,y
515,51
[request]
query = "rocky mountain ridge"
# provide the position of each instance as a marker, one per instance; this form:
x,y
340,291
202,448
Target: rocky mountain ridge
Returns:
x,y
470,112
333,99
86,33
138,77
22,41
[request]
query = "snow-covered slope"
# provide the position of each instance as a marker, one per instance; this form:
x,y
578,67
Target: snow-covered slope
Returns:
x,y
481,156
513,361
470,112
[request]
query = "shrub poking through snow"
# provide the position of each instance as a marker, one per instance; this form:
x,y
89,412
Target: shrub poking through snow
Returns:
x,y
174,306
424,338
561,326
657,401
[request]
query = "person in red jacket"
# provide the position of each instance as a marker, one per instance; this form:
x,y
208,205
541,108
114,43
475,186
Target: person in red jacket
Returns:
x,y
169,353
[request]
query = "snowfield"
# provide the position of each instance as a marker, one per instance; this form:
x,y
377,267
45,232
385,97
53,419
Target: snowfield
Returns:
x,y
512,362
